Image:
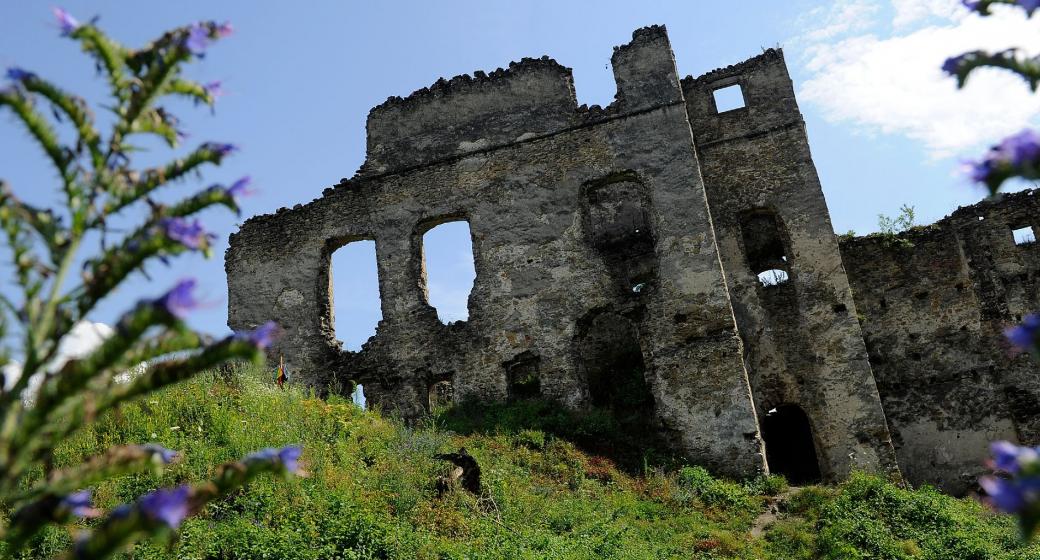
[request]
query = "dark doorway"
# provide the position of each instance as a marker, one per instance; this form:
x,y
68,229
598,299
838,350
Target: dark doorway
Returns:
x,y
789,445
613,363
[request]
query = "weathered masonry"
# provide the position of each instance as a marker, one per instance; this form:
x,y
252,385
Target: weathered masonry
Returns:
x,y
665,257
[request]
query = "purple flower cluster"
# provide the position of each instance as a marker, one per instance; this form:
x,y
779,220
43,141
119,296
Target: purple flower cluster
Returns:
x,y
1020,492
190,234
201,34
19,74
165,456
79,504
214,89
66,22
1024,336
240,187
222,150
168,506
288,457
261,337
179,300
1018,154
1029,6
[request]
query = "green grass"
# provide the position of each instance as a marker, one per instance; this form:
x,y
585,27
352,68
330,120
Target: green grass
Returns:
x,y
371,490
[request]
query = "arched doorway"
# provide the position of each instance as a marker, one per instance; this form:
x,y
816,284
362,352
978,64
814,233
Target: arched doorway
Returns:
x,y
790,450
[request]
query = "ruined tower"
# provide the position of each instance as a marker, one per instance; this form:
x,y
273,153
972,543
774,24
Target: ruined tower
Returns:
x,y
658,241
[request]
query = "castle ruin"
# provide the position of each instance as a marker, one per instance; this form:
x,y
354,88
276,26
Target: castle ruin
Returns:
x,y
661,238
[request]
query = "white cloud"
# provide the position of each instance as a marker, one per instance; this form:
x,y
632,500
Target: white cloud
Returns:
x,y
909,12
889,80
846,17
81,340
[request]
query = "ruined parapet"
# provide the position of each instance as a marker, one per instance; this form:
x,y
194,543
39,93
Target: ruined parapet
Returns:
x,y
551,192
933,303
783,268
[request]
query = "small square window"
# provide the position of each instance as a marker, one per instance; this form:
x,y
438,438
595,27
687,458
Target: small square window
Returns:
x,y
729,98
1024,236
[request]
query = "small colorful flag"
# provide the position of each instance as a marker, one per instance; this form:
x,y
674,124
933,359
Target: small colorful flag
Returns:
x,y
282,378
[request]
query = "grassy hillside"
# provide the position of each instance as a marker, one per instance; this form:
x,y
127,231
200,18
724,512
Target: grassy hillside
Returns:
x,y
371,492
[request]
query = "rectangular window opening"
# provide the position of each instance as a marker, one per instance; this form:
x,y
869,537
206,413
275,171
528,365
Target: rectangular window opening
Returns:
x,y
354,293
1024,236
729,98
450,271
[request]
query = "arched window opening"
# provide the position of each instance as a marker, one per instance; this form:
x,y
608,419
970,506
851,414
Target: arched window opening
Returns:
x,y
790,450
442,394
354,293
616,374
764,246
358,396
449,269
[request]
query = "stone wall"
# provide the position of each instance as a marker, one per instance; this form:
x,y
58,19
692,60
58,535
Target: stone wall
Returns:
x,y
804,345
659,245
933,304
549,190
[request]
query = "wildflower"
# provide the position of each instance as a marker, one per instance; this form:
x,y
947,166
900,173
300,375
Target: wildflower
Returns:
x,y
262,336
190,234
165,456
168,506
240,187
19,74
1022,337
1011,458
952,65
66,22
222,150
79,504
288,457
225,29
179,301
1020,150
1029,5
214,89
197,39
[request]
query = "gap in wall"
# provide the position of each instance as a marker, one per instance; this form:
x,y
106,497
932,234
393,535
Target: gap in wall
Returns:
x,y
450,271
354,290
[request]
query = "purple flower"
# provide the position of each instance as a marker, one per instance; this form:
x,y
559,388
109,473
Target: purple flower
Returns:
x,y
288,457
79,504
1005,456
214,89
1020,150
190,234
980,171
67,23
953,64
19,74
262,336
197,39
222,150
1029,5
166,456
179,300
225,29
971,4
240,187
1022,337
169,506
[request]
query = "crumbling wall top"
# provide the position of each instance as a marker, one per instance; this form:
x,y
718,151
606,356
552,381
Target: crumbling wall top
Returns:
x,y
768,56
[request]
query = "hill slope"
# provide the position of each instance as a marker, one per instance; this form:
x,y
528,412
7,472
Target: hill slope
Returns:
x,y
372,491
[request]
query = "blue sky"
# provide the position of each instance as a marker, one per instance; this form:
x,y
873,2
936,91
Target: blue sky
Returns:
x,y
885,127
